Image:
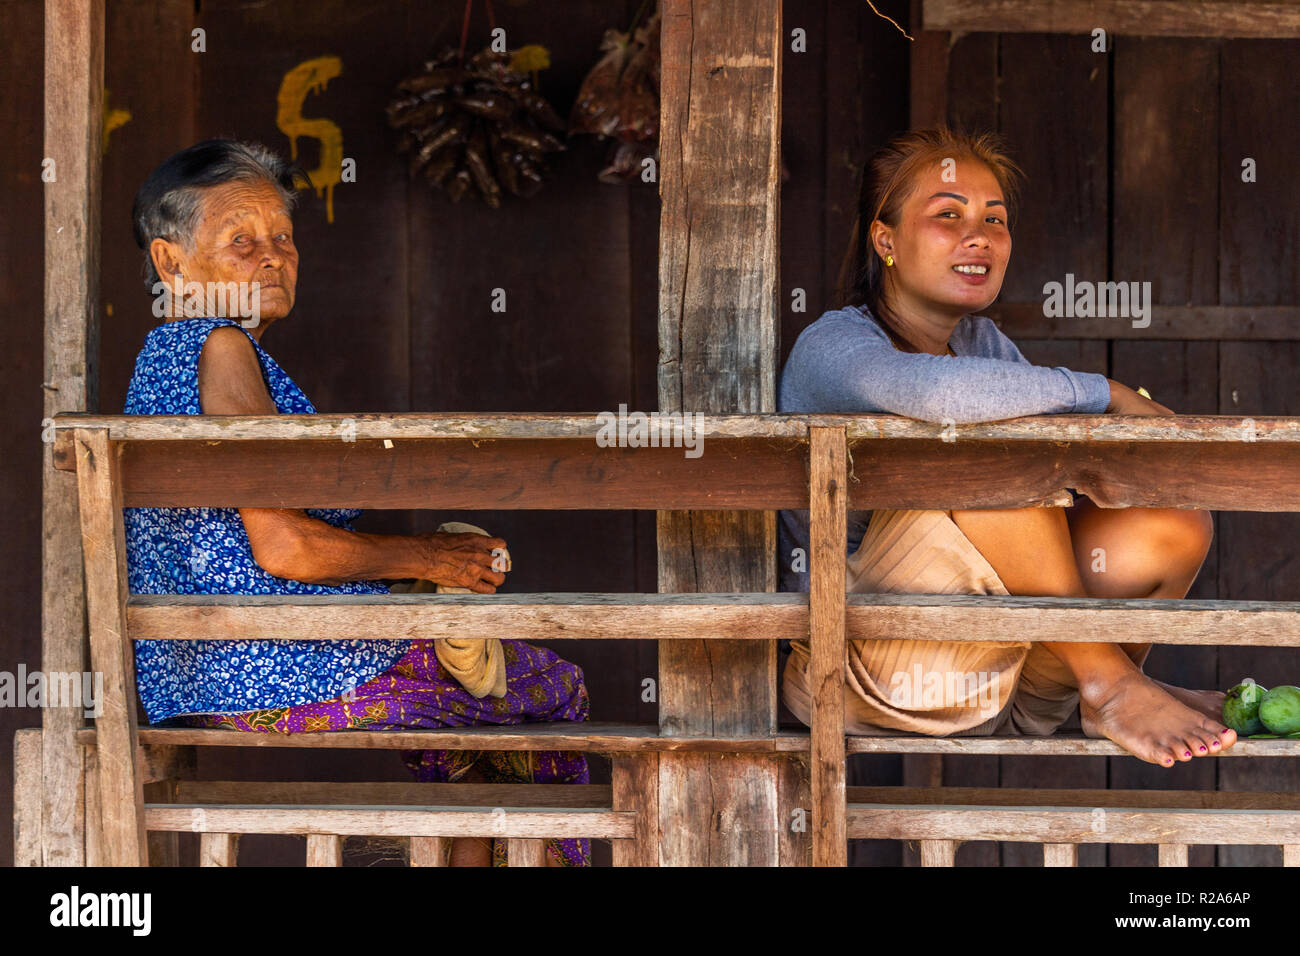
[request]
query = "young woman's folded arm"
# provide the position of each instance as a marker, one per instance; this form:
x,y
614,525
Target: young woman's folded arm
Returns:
x,y
865,373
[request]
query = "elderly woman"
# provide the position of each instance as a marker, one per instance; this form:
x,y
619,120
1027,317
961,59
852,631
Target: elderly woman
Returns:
x,y
931,250
219,213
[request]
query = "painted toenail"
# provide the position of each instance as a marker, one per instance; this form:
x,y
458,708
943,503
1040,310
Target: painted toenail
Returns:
x,y
1202,748
1187,753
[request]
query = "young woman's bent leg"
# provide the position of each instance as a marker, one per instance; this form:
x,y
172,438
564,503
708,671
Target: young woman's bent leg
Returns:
x,y
1034,554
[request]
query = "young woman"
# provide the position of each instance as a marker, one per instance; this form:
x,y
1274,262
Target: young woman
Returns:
x,y
932,247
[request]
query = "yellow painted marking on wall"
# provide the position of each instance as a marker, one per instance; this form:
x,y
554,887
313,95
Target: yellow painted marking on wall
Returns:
x,y
113,119
311,76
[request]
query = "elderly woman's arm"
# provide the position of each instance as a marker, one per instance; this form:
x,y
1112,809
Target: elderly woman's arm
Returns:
x,y
290,543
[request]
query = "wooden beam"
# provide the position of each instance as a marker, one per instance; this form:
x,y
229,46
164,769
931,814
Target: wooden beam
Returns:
x,y
428,616
324,849
74,95
1061,745
556,474
636,789
218,849
430,851
827,534
1090,798
1240,475
1044,824
393,794
104,550
938,852
27,797
1172,854
645,738
719,245
399,822
1060,854
932,617
1179,18
586,737
526,852
750,431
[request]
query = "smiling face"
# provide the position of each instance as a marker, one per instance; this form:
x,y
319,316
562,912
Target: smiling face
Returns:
x,y
244,235
951,244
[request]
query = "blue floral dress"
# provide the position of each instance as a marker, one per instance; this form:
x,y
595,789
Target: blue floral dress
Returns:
x,y
207,551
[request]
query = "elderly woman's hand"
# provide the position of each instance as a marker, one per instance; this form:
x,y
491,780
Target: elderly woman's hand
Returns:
x,y
464,560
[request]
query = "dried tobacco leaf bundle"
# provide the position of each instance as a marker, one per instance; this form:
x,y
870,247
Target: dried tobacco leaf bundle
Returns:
x,y
619,98
479,123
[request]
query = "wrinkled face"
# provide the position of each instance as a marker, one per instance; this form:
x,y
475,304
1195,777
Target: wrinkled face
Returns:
x,y
952,244
244,235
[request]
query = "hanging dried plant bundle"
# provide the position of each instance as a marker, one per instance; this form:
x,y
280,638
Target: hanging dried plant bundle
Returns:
x,y
619,98
479,124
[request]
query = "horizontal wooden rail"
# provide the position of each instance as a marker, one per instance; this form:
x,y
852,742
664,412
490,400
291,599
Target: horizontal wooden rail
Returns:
x,y
400,821
403,426
1235,18
1053,824
627,738
1058,745
589,738
1090,798
756,616
748,463
386,793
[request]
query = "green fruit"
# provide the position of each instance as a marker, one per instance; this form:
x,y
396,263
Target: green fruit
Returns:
x,y
1279,710
1241,707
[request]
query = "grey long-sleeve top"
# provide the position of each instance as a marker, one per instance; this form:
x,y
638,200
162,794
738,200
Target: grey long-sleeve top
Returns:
x,y
845,362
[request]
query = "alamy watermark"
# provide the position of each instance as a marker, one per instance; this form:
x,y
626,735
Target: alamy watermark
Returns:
x,y
1098,300
221,300
655,430
53,689
919,689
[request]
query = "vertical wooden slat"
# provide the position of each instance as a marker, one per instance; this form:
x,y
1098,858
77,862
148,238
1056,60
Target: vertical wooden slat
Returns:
x,y
1060,854
938,852
430,851
164,845
828,501
93,820
1257,218
526,852
719,179
324,849
1172,854
928,71
104,548
636,788
27,797
218,849
74,93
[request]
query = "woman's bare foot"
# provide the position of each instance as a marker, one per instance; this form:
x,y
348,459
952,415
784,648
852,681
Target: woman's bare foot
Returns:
x,y
1151,723
1207,702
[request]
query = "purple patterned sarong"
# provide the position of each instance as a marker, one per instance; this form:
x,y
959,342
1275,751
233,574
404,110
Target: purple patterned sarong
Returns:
x,y
418,692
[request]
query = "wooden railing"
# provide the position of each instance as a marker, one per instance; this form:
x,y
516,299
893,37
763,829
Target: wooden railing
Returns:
x,y
526,461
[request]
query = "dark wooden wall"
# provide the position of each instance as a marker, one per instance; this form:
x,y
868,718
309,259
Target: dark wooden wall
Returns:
x,y
1132,161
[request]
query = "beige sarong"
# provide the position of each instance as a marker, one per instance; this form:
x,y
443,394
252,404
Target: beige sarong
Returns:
x,y
936,688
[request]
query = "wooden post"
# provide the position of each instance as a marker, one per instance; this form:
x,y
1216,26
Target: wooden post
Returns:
x,y
324,849
218,849
829,495
121,790
719,242
74,94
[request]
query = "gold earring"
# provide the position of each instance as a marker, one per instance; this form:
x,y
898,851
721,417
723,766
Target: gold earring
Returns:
x,y
889,260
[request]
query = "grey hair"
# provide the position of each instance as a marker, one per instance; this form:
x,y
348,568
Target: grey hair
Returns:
x,y
170,201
